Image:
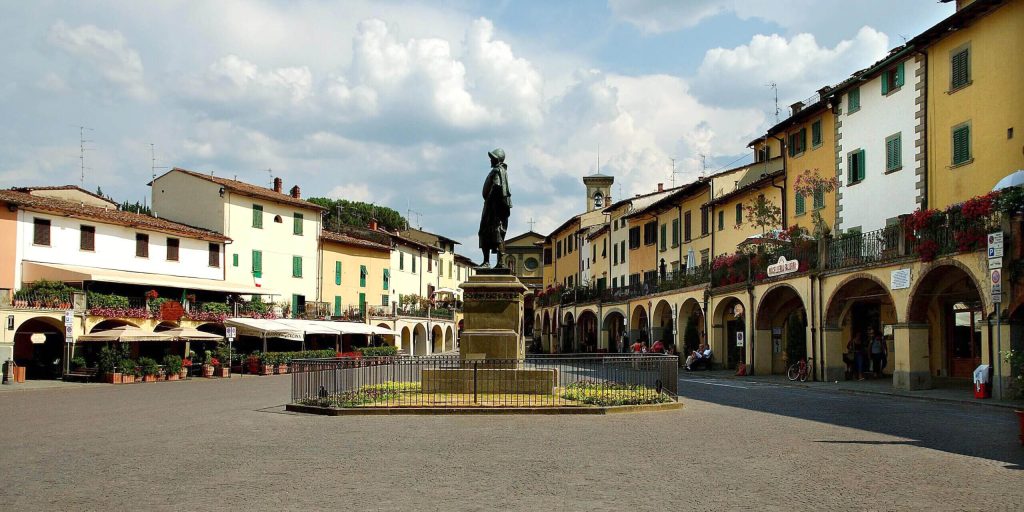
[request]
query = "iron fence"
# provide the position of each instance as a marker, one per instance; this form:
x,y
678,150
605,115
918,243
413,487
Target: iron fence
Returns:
x,y
875,246
444,381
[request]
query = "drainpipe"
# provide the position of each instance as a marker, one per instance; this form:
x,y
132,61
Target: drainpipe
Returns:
x,y
821,337
784,174
814,324
679,234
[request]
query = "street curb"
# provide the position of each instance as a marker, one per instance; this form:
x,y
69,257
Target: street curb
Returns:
x,y
441,411
823,389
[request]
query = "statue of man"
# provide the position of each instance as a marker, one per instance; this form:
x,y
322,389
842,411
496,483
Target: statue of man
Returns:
x,y
497,206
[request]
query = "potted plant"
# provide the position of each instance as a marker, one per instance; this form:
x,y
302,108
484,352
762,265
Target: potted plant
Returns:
x,y
149,369
220,370
173,366
129,370
282,364
1015,359
254,363
208,364
108,365
186,365
267,361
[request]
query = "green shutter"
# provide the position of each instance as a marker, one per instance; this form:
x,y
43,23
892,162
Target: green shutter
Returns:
x,y
803,139
362,305
885,83
893,150
337,272
387,278
819,197
899,75
337,305
257,216
675,232
792,145
739,213
860,165
800,207
295,306
297,224
296,266
960,69
853,100
257,263
816,133
961,144
362,276
234,260
664,236
401,260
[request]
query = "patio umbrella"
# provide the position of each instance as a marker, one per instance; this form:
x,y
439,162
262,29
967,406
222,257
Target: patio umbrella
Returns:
x,y
126,333
190,334
1014,179
691,260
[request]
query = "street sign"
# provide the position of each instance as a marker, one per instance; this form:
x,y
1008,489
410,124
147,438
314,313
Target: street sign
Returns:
x,y
230,332
739,339
995,239
69,317
995,263
996,280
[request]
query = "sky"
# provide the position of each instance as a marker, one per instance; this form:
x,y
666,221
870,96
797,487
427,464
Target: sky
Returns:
x,y
398,102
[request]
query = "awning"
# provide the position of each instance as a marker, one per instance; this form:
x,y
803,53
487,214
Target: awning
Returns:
x,y
261,327
33,271
126,333
296,329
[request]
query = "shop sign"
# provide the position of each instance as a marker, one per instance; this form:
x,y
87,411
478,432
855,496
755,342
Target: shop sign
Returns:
x,y
783,266
38,338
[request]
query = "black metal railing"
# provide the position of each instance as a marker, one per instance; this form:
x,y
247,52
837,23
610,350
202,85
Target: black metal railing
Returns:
x,y
536,381
875,246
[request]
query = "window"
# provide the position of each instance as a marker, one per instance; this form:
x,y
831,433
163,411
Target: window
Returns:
x,y
650,233
800,207
297,224
430,263
960,68
413,264
615,254
41,232
893,153
257,263
449,270
87,238
296,266
214,255
547,256
385,300
604,249
401,260
257,216
142,246
234,260
819,198
387,280
675,229
687,231
961,144
173,245
704,255
853,100
721,220
337,305
704,214
362,276
816,137
892,79
798,142
622,250
558,249
568,244
664,237
337,273
594,247
739,213
598,200
615,282
764,153
634,237
855,166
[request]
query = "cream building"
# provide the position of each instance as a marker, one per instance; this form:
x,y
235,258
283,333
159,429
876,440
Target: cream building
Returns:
x,y
356,274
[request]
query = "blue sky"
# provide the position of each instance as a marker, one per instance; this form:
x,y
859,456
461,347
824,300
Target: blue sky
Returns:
x,y
398,102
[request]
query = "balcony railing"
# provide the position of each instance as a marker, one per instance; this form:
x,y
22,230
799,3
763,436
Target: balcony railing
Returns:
x,y
58,301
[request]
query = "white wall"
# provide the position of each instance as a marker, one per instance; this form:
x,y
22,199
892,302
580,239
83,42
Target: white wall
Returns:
x,y
585,261
403,280
115,248
879,196
618,271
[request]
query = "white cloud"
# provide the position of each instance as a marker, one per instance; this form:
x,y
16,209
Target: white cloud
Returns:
x,y
107,50
657,16
353,192
798,65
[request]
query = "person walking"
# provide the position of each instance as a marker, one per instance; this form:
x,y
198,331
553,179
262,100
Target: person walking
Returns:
x,y
877,349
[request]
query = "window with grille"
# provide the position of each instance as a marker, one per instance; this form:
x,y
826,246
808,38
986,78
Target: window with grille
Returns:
x,y
41,231
214,255
173,245
87,238
960,68
961,144
142,245
893,153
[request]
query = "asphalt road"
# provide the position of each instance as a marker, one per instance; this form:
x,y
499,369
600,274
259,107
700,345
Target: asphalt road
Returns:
x,y
208,444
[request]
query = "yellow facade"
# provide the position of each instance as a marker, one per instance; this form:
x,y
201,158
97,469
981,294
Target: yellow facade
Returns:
x,y
600,267
644,258
565,247
363,274
992,105
731,211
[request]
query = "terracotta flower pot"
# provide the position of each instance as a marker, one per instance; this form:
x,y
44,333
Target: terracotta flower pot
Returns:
x,y
173,376
207,370
282,368
267,369
183,374
127,379
149,378
222,371
112,378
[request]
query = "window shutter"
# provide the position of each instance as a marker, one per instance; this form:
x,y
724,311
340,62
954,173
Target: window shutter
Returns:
x,y
791,147
387,278
257,216
257,263
899,75
959,74
337,272
214,255
362,276
297,224
337,305
885,83
816,133
819,197
296,266
961,145
860,165
803,139
234,260
800,207
739,213
664,236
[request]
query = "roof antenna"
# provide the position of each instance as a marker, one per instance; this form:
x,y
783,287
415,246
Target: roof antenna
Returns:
x,y
271,174
152,160
674,172
81,151
775,88
703,165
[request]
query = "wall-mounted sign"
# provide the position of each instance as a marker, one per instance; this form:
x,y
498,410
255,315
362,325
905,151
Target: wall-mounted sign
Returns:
x,y
10,322
899,279
783,266
38,338
996,278
739,339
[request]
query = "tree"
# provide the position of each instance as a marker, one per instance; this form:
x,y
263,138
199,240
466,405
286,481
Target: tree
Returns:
x,y
809,183
764,214
796,339
342,212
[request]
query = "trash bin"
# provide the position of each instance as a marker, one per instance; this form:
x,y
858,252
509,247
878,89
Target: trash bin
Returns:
x,y
983,381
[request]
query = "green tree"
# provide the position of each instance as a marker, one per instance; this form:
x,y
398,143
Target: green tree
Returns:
x,y
342,212
796,338
764,214
691,336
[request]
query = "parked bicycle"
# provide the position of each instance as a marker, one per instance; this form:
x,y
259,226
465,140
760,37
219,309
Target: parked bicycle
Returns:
x,y
800,370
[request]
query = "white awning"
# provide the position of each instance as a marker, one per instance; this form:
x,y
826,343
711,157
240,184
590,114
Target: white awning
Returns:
x,y
33,271
296,329
261,327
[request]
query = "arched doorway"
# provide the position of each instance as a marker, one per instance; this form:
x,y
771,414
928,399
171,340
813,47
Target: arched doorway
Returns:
x,y
730,321
568,333
948,301
587,332
406,341
110,324
615,326
861,304
545,338
437,339
419,340
691,324
449,338
661,323
781,330
639,326
164,326
39,347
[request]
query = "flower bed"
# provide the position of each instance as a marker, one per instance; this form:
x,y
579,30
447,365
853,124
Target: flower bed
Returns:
x,y
612,393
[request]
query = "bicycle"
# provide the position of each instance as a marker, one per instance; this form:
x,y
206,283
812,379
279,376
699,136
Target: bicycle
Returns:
x,y
800,370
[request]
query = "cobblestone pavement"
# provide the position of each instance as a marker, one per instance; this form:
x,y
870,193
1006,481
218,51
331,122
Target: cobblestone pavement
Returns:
x,y
228,444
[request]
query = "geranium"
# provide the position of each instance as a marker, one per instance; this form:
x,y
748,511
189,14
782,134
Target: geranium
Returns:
x,y
214,361
186,362
121,312
920,220
980,206
150,295
927,249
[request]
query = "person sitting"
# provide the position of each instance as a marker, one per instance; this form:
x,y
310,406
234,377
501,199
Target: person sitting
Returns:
x,y
658,347
637,347
699,357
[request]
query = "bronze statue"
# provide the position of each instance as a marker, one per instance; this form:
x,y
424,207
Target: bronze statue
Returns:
x,y
497,206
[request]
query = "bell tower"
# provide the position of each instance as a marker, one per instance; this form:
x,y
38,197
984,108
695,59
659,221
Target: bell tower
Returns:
x,y
599,191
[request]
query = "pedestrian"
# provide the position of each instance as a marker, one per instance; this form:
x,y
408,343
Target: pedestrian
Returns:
x,y
877,348
658,347
623,343
854,357
637,347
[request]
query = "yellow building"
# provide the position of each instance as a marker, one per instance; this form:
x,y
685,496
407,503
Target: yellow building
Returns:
x,y
355,273
730,224
600,255
975,102
565,264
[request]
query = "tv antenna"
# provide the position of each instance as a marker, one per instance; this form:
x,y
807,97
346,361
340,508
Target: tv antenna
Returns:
x,y
270,173
81,152
531,222
152,160
674,172
408,216
775,89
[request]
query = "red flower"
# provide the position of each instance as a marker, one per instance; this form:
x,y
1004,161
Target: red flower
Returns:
x,y
186,362
214,361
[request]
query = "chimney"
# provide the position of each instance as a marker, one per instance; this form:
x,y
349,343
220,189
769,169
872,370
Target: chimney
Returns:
x,y
373,224
296,192
824,91
661,187
278,185
796,107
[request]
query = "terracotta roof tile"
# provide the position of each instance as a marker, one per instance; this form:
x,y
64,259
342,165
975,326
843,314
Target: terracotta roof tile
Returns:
x,y
251,190
342,238
107,215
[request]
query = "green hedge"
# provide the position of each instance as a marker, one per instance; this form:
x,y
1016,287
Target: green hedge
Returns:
x,y
103,300
286,357
385,351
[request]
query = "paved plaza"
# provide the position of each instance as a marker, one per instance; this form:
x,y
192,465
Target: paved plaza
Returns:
x,y
228,444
